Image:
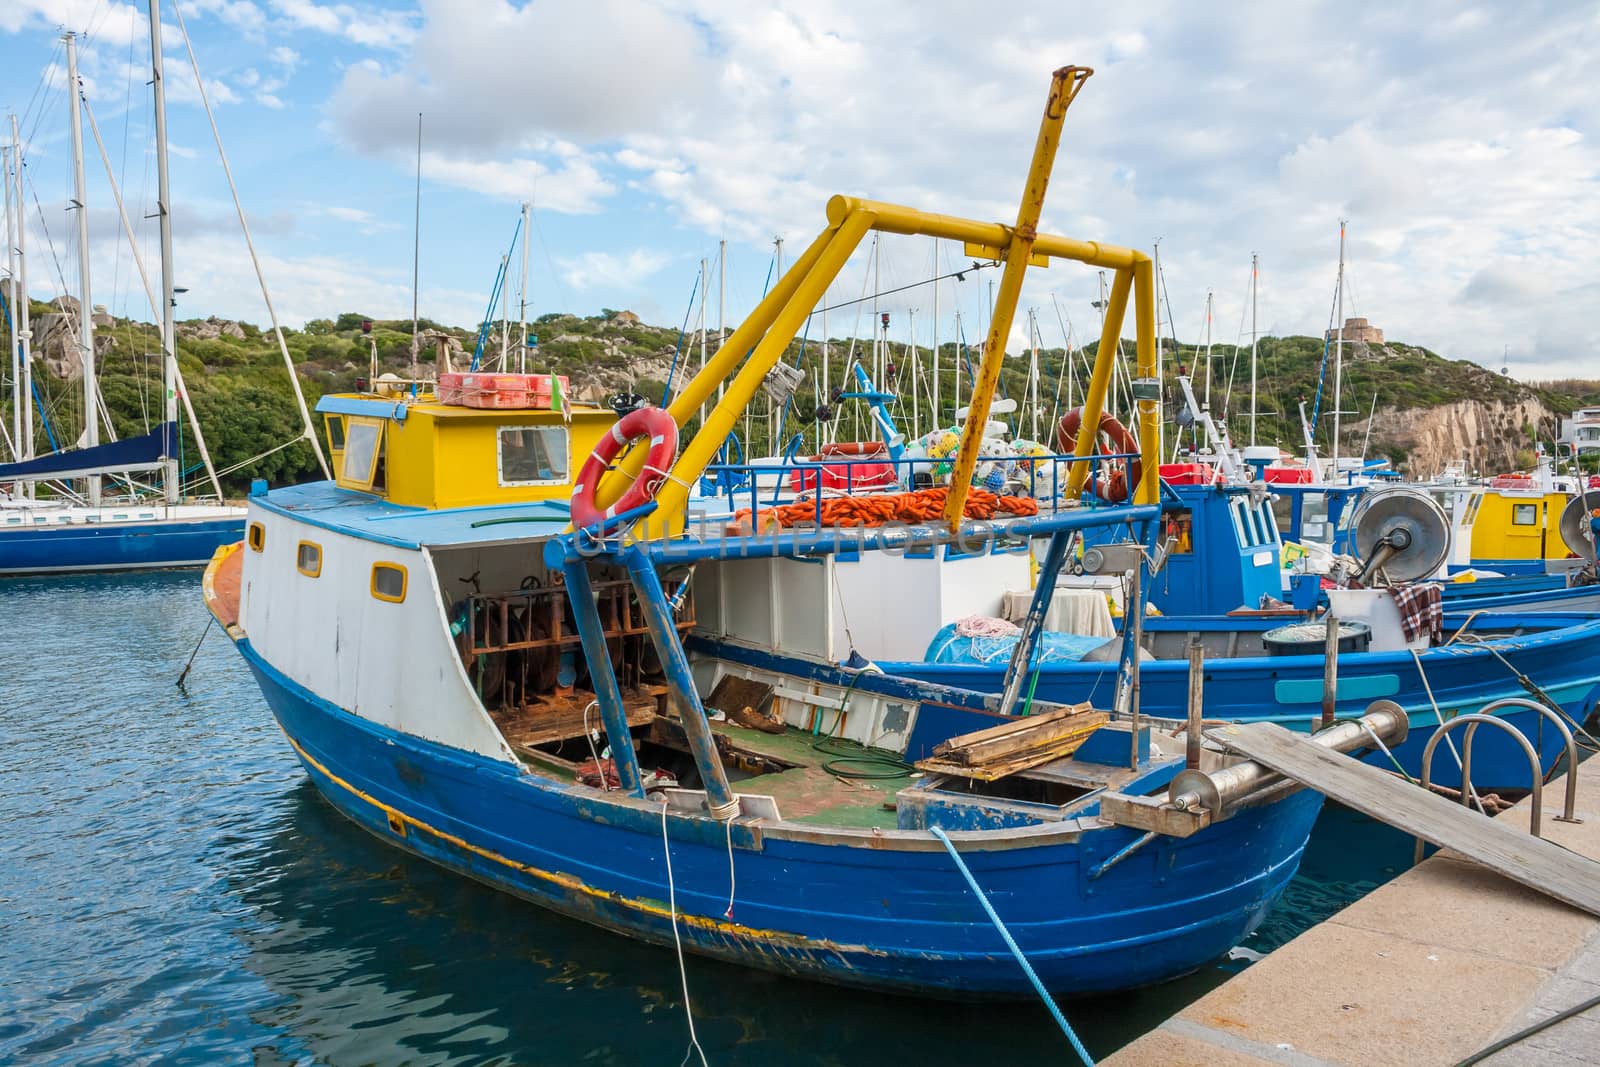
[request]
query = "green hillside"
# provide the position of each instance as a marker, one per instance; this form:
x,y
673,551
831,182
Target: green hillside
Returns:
x,y
242,396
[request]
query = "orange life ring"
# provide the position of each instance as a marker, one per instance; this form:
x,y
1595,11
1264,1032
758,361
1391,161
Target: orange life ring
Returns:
x,y
1118,482
638,424
851,448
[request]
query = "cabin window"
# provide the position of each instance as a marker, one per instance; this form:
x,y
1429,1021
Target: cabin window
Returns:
x,y
308,559
257,536
389,582
1269,523
1180,531
1525,514
363,454
533,455
1243,522
335,425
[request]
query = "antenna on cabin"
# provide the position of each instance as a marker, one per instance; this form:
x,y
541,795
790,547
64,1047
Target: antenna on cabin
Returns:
x,y
416,250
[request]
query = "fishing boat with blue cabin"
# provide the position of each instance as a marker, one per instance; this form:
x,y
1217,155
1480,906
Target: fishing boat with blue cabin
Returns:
x,y
515,661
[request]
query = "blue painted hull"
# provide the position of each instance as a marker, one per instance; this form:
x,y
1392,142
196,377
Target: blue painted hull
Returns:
x,y
1563,661
885,911
111,546
1488,597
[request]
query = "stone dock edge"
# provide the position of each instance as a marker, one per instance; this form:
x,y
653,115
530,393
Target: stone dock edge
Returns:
x,y
1430,968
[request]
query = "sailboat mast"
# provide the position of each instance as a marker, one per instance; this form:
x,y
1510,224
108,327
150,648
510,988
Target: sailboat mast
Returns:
x,y
13,342
935,332
958,359
916,374
1208,348
505,312
1155,264
824,398
1338,353
23,311
416,251
722,300
772,409
877,356
91,403
701,325
522,299
170,474
1255,271
1033,372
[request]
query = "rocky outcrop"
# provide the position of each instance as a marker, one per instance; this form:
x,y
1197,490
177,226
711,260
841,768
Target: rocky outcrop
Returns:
x,y
210,329
1488,435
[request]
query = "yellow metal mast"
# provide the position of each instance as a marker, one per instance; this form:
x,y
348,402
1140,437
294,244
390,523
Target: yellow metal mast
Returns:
x,y
1064,87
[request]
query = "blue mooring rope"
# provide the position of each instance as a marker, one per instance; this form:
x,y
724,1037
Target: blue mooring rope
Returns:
x,y
1027,968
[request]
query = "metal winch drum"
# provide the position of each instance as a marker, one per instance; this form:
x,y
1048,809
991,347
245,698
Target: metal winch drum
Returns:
x,y
1401,530
1576,517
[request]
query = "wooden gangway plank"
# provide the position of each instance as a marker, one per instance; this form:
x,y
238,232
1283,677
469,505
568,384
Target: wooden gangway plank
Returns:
x,y
1498,844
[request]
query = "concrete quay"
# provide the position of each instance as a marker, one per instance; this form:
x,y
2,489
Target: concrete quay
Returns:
x,y
1436,965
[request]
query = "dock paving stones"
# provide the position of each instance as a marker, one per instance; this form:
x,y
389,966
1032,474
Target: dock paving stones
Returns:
x,y
1428,969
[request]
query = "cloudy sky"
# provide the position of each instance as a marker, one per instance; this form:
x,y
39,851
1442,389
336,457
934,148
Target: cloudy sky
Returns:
x,y
1455,138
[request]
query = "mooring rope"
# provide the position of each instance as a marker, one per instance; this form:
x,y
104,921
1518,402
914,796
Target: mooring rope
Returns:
x,y
1027,968
677,941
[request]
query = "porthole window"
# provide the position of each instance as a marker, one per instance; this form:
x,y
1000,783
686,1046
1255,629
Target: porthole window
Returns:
x,y
308,559
389,582
257,536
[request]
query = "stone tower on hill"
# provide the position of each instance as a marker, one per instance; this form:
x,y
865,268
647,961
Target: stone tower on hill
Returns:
x,y
1357,330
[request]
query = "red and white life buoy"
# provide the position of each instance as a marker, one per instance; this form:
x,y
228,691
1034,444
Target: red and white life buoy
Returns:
x,y
1117,485
636,425
852,448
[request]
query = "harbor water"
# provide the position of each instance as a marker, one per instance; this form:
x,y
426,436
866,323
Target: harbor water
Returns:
x,y
173,890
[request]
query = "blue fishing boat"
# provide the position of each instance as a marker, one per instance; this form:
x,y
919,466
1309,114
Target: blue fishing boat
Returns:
x,y
1217,586
474,680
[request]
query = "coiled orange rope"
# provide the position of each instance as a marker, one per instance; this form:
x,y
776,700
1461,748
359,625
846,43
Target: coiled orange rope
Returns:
x,y
923,505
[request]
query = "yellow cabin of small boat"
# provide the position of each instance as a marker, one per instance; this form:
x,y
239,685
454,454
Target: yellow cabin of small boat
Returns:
x,y
418,452
1518,525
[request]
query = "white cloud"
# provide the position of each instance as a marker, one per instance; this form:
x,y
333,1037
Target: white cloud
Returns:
x,y
372,27
605,270
1252,127
613,66
573,186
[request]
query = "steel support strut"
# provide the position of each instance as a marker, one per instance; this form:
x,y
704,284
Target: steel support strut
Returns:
x,y
1055,558
581,592
720,800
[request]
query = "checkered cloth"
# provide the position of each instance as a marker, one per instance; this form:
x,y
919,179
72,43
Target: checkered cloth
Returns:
x,y
1421,609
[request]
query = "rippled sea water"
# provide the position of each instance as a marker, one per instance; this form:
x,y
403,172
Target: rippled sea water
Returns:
x,y
173,890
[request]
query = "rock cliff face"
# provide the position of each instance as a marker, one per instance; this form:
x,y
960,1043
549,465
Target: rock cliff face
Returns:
x,y
1487,434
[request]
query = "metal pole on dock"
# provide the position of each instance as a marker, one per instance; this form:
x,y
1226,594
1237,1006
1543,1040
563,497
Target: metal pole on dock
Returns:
x,y
1197,681
1135,621
1330,671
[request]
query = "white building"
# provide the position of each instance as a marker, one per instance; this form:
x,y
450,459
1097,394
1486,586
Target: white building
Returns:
x,y
1581,431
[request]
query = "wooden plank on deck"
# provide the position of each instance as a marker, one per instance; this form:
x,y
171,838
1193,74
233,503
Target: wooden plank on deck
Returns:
x,y
1497,844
